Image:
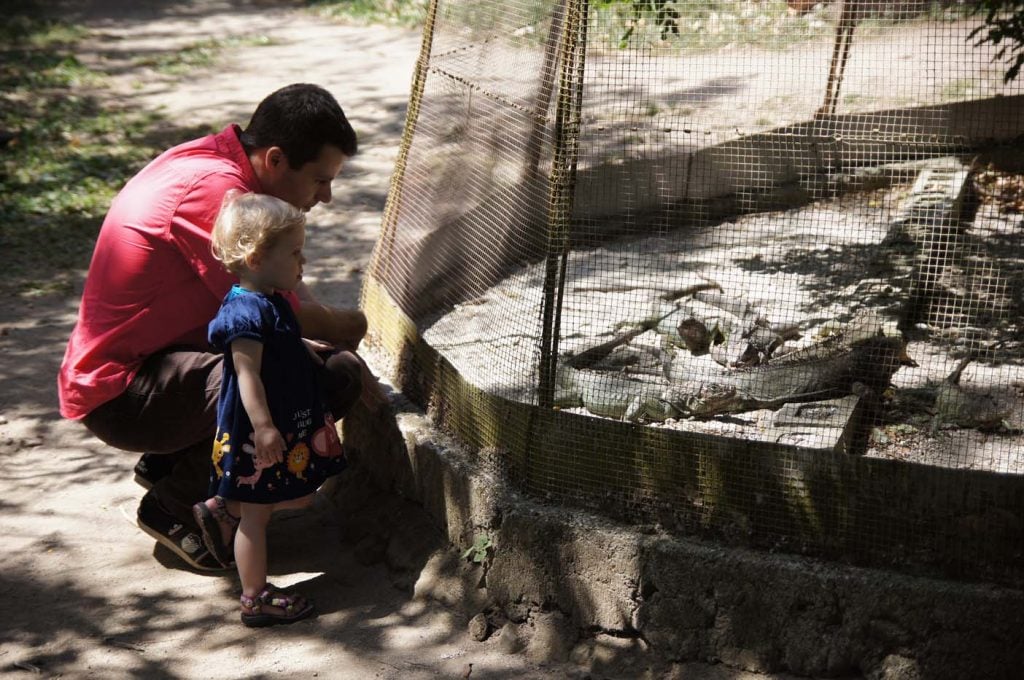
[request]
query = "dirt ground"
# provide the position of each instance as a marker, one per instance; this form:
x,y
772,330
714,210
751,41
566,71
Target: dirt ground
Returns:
x,y
85,594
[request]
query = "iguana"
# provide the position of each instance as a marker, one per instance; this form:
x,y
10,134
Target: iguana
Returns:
x,y
860,353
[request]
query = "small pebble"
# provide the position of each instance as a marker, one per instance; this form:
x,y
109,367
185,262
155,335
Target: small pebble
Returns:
x,y
479,628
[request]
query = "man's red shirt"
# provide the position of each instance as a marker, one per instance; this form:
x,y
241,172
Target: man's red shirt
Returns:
x,y
153,281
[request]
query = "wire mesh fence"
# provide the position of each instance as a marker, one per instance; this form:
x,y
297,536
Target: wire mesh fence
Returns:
x,y
749,271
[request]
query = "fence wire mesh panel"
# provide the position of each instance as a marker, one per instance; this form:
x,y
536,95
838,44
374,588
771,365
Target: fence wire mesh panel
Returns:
x,y
749,271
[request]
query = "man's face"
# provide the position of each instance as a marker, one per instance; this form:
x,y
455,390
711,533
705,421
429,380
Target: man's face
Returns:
x,y
307,186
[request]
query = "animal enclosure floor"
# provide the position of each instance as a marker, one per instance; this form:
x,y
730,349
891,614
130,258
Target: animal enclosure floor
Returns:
x,y
816,267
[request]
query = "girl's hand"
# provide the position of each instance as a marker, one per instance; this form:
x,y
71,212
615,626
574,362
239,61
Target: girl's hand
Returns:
x,y
270,447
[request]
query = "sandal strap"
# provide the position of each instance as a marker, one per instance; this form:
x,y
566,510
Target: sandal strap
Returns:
x,y
254,605
221,512
275,597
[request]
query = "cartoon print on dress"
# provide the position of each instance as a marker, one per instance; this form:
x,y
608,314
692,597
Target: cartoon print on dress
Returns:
x,y
251,480
325,440
298,460
220,447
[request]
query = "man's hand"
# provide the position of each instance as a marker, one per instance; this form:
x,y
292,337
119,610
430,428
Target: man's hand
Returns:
x,y
317,348
304,294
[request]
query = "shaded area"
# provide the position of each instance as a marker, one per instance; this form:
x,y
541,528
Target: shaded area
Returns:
x,y
133,629
65,153
644,592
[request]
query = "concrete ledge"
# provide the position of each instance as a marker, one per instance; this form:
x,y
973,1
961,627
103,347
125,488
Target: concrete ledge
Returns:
x,y
564,574
744,492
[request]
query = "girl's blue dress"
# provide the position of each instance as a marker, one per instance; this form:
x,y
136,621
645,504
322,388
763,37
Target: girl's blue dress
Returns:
x,y
294,398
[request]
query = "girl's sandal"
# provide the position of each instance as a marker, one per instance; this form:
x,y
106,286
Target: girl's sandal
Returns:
x,y
210,522
290,607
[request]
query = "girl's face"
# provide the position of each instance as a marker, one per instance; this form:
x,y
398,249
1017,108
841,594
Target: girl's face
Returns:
x,y
280,266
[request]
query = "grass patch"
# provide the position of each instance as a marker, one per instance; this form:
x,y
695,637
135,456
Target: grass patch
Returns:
x,y
717,24
63,156
404,13
707,25
667,24
203,54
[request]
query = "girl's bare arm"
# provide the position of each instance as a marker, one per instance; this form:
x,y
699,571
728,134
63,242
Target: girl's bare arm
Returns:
x,y
247,355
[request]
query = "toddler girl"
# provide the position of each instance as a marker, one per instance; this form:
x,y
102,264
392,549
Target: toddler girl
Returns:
x,y
276,442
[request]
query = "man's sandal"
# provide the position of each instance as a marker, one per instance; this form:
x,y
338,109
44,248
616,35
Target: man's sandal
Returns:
x,y
210,522
293,607
187,544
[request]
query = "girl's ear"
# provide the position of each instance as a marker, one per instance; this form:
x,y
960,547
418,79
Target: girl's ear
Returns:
x,y
253,261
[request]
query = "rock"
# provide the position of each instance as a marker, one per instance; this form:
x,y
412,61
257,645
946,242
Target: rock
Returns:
x,y
446,578
479,628
511,639
412,543
897,667
552,639
517,612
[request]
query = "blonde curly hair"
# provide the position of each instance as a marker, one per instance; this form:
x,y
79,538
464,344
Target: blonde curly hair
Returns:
x,y
248,224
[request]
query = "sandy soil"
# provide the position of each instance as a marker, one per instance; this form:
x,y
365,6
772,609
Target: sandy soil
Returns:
x,y
84,593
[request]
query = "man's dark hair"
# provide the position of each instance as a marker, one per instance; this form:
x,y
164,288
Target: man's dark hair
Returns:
x,y
301,119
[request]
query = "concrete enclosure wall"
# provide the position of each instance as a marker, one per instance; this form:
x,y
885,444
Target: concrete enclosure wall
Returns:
x,y
678,599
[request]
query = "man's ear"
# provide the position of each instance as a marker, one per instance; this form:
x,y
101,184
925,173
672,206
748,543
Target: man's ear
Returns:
x,y
275,159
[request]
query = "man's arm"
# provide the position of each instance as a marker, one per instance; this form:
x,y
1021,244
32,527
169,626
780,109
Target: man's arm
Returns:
x,y
343,328
303,292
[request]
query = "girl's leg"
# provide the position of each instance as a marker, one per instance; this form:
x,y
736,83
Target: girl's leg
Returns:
x,y
262,603
219,507
251,538
251,547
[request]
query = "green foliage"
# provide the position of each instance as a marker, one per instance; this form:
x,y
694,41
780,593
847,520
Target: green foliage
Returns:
x,y
62,156
202,54
30,32
688,24
717,24
480,551
407,13
664,15
1004,25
